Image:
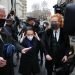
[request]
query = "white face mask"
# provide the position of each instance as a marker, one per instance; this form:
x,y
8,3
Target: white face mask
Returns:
x,y
30,37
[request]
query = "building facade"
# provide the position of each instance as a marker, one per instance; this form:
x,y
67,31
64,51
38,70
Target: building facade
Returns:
x,y
6,4
19,6
59,2
21,9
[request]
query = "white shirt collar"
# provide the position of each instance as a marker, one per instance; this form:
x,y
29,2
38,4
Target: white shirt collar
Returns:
x,y
58,30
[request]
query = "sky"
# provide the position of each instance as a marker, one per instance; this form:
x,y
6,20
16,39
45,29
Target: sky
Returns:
x,y
50,4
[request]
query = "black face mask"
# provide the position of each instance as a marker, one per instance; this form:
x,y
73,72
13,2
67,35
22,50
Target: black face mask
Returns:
x,y
2,21
54,26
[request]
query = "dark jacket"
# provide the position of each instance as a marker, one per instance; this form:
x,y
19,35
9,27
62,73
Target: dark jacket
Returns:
x,y
29,61
64,44
7,36
1,48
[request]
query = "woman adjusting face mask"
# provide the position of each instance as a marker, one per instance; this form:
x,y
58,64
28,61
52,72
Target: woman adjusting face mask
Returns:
x,y
30,34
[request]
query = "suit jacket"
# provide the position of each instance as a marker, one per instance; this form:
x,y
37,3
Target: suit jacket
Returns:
x,y
63,44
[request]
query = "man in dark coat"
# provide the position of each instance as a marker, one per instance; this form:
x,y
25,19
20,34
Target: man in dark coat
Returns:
x,y
2,60
7,34
57,47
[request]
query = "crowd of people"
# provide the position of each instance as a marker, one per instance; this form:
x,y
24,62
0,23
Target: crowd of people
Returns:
x,y
52,42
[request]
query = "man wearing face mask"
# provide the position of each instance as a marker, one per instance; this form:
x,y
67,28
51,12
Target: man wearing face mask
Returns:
x,y
57,47
8,37
2,60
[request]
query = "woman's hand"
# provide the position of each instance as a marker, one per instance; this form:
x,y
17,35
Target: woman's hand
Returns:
x,y
37,37
26,50
48,57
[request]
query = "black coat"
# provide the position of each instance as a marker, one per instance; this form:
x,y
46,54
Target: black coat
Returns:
x,y
8,69
1,48
29,61
64,44
8,37
69,19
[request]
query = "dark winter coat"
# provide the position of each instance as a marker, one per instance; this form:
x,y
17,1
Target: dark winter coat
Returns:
x,y
63,45
8,37
29,61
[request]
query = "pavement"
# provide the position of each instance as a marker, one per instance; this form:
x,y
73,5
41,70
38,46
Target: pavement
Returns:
x,y
43,70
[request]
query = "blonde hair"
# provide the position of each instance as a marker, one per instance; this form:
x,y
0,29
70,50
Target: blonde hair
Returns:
x,y
60,18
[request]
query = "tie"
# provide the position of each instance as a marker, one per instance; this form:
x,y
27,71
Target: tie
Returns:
x,y
55,35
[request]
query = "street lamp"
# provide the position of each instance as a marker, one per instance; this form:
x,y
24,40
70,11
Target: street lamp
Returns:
x,y
13,5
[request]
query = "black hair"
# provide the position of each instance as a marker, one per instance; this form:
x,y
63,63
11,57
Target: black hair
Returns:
x,y
12,12
30,28
29,19
2,22
46,23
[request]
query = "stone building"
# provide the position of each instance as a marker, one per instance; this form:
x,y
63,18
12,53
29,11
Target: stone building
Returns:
x,y
19,6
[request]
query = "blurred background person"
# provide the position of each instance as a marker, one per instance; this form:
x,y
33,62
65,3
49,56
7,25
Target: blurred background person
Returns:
x,y
45,25
16,25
